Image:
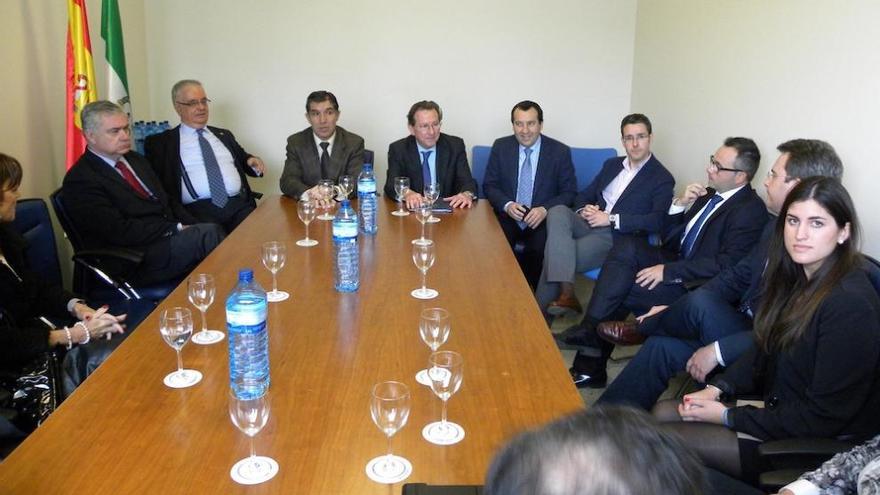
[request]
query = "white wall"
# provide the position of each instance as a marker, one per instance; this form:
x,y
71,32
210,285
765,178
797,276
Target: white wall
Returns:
x,y
771,71
476,59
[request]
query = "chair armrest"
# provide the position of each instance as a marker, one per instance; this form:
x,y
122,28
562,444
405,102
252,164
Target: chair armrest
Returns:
x,y
118,254
805,454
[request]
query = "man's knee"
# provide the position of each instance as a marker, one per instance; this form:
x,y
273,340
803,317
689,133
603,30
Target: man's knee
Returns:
x,y
559,216
206,236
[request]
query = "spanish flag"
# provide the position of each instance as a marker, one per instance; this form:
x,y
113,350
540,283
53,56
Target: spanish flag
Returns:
x,y
81,83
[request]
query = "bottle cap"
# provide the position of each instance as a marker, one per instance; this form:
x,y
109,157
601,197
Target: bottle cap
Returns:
x,y
245,275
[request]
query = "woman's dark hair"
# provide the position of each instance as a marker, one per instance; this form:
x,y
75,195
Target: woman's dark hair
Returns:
x,y
10,172
790,299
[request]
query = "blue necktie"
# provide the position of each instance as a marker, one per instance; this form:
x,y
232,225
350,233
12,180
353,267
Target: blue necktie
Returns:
x,y
526,183
687,244
212,170
426,170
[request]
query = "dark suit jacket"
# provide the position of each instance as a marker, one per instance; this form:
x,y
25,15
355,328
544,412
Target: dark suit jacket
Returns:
x,y
302,170
107,211
453,172
644,202
726,237
828,383
555,182
163,152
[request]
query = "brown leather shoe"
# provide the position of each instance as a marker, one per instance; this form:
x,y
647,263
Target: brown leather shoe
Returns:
x,y
620,332
563,305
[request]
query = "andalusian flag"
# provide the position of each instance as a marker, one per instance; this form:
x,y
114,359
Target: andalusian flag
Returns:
x,y
80,77
111,31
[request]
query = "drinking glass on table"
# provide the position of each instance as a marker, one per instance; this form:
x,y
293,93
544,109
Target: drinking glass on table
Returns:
x,y
423,213
434,328
250,416
306,211
432,194
328,191
346,186
423,257
176,326
201,290
274,256
401,187
445,369
389,408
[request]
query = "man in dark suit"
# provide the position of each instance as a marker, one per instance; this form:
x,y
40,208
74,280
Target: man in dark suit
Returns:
x,y
322,151
115,199
712,325
189,158
722,224
429,156
527,174
629,197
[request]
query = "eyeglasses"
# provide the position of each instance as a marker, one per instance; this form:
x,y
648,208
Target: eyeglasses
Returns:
x,y
637,137
715,166
771,174
194,103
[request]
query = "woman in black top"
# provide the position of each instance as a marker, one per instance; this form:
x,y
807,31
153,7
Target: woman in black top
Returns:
x,y
816,358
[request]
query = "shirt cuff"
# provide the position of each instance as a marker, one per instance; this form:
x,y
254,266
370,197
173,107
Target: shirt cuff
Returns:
x,y
802,487
72,303
675,209
718,356
506,205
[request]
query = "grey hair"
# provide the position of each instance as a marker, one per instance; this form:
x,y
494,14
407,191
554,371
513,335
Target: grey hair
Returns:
x,y
93,113
179,85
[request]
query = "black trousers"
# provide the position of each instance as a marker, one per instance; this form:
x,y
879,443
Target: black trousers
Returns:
x,y
527,245
236,210
174,256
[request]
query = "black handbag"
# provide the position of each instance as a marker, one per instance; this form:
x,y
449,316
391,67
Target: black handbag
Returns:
x,y
35,392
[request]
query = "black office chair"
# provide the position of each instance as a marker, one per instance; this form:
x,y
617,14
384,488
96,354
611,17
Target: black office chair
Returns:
x,y
787,459
32,221
100,274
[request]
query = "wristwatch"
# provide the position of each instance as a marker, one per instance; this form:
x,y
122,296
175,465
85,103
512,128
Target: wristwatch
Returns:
x,y
470,195
613,219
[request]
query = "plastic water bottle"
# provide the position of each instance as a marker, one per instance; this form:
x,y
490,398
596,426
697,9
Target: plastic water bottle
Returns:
x,y
248,337
367,199
345,249
139,136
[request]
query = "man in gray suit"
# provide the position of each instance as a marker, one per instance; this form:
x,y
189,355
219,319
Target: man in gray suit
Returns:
x,y
322,151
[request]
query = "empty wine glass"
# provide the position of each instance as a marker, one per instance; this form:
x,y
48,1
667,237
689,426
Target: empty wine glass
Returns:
x,y
432,194
423,213
306,211
423,257
176,326
401,187
445,369
201,290
346,186
274,256
434,329
389,408
327,190
250,416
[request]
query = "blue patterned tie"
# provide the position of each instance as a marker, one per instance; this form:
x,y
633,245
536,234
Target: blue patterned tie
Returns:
x,y
426,170
526,183
212,170
687,244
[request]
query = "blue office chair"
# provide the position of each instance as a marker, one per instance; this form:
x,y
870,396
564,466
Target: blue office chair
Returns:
x,y
587,164
478,166
32,221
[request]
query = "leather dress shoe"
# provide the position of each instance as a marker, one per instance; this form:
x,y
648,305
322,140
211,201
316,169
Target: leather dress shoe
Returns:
x,y
584,380
564,305
621,332
573,338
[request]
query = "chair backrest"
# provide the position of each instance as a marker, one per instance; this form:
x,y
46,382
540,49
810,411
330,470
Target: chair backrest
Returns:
x,y
872,269
478,166
64,219
32,221
588,162
368,158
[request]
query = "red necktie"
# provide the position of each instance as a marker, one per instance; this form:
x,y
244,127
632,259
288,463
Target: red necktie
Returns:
x,y
132,180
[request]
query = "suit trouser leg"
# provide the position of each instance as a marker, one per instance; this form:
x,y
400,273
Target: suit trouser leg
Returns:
x,y
572,246
532,241
174,256
647,375
236,210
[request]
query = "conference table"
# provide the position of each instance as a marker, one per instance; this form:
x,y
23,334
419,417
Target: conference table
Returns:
x,y
124,431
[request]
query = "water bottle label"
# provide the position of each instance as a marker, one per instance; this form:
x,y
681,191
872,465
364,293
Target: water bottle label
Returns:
x,y
248,321
344,230
366,186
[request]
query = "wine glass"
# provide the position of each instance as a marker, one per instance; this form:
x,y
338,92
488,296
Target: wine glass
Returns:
x,y
389,408
432,194
250,416
401,187
274,256
201,290
176,326
434,329
306,211
346,186
327,190
423,257
445,370
423,213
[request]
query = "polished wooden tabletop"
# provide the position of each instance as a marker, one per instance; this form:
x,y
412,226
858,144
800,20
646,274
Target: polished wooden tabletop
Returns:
x,y
123,431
